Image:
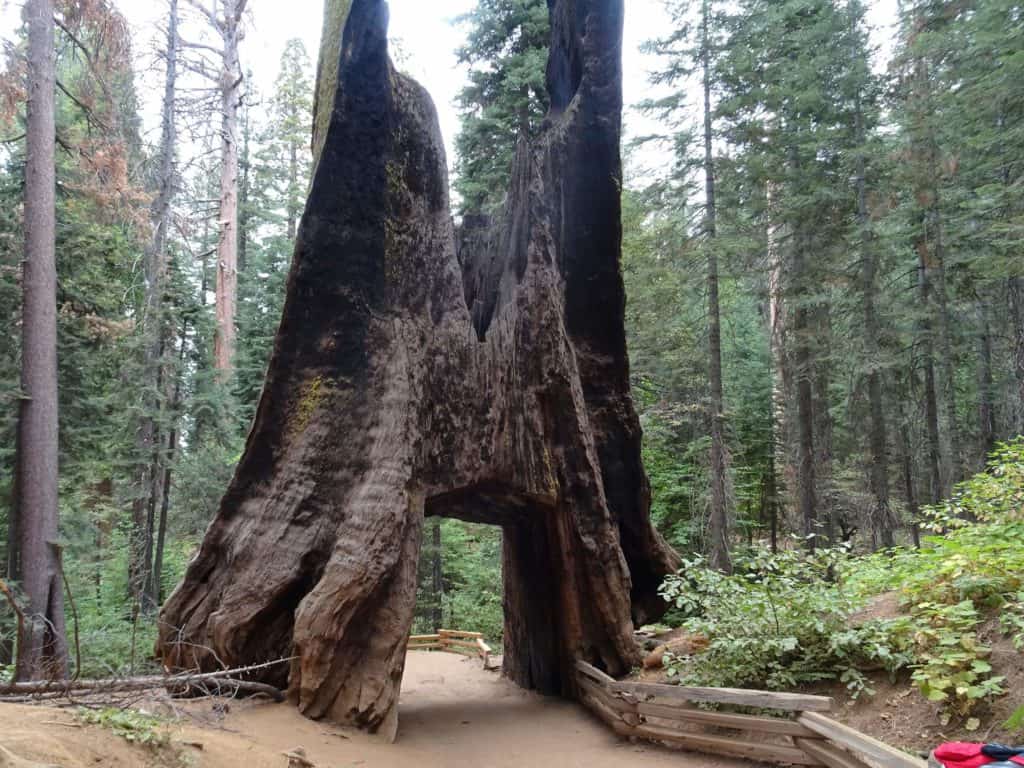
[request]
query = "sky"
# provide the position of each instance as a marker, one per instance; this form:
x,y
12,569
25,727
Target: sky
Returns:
x,y
427,36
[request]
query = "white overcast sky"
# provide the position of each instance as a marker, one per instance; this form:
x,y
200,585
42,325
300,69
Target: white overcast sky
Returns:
x,y
428,37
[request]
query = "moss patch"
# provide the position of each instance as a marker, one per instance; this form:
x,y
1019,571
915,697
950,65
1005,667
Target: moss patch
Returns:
x,y
312,397
335,16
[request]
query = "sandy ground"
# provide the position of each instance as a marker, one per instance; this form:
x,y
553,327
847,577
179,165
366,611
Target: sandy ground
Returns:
x,y
452,714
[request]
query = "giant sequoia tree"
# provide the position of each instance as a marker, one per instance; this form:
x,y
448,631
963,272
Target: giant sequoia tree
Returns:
x,y
410,379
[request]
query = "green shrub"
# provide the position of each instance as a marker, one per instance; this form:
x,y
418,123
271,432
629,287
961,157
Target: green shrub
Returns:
x,y
969,568
779,622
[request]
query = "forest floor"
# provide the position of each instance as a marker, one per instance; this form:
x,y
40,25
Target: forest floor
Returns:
x,y
453,713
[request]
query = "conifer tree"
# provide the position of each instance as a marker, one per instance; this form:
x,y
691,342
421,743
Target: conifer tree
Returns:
x,y
506,49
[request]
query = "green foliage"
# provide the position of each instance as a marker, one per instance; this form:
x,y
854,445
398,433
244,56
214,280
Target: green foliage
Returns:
x,y
506,50
130,725
473,586
780,621
951,666
957,579
1016,721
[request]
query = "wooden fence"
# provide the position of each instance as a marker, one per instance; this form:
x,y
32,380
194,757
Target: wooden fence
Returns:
x,y
453,641
666,713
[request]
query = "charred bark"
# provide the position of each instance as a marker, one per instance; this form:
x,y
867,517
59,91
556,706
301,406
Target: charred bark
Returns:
x,y
387,400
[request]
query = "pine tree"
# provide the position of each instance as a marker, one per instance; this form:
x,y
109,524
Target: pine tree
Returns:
x,y
692,50
281,165
507,49
784,108
42,646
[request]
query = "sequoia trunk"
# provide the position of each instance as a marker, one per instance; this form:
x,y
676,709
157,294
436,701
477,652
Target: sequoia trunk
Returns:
x,y
387,400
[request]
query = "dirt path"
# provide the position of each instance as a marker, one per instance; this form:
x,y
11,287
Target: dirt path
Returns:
x,y
453,714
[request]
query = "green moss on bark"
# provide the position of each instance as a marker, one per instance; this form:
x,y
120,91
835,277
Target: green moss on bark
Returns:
x,y
335,15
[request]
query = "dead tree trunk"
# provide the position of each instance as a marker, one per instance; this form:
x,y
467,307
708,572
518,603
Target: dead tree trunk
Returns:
x,y
386,400
226,20
41,642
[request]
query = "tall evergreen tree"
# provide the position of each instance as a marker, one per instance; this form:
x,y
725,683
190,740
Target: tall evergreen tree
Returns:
x,y
506,49
692,50
42,646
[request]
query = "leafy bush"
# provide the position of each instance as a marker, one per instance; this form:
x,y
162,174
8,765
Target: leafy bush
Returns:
x,y
779,622
785,619
968,569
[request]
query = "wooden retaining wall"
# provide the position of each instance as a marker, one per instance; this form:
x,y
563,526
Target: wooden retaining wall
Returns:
x,y
666,713
455,641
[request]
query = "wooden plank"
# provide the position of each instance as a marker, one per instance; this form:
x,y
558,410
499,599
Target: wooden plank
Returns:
x,y
610,701
829,754
861,744
718,745
792,702
608,716
424,638
447,642
594,673
423,646
727,720
485,651
458,634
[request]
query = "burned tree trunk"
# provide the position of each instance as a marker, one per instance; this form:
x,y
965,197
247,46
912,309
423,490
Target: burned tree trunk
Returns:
x,y
409,380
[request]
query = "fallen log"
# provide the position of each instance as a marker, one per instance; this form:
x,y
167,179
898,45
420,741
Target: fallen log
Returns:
x,y
178,682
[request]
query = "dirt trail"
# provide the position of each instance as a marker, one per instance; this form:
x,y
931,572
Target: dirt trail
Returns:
x,y
452,714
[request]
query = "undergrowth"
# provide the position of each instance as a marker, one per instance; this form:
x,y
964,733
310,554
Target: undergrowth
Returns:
x,y
787,619
131,725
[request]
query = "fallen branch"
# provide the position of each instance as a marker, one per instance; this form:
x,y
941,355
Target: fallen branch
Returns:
x,y
120,685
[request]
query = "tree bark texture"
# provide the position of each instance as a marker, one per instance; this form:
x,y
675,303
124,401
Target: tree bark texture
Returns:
x,y
987,429
41,643
387,399
229,27
718,523
1015,288
882,518
927,344
149,471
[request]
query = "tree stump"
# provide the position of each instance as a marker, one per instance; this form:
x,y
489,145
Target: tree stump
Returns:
x,y
411,378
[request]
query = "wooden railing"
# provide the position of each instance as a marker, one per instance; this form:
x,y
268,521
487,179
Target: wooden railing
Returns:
x,y
454,641
659,713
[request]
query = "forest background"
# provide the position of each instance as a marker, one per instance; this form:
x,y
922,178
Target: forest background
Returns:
x,y
822,228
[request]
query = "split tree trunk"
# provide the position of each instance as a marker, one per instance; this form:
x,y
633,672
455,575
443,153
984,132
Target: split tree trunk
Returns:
x,y
387,401
42,648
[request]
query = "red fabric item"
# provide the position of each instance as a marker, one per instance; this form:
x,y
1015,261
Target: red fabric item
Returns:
x,y
962,754
1019,759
